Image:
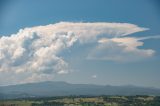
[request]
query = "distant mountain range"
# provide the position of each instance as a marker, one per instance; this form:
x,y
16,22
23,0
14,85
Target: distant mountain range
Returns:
x,y
48,89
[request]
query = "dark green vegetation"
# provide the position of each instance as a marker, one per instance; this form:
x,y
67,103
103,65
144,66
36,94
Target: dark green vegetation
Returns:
x,y
85,101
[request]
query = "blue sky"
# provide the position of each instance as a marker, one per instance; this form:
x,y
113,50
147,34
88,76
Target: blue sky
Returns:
x,y
16,15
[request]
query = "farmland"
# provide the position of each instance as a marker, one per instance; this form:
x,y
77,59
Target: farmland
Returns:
x,y
85,101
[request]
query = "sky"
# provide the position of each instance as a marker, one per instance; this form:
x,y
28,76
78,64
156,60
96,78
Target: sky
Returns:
x,y
104,42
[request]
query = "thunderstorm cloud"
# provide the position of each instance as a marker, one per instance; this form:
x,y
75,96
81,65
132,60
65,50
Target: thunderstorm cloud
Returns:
x,y
32,54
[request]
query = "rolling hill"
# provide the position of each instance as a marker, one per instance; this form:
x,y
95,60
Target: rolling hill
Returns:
x,y
48,89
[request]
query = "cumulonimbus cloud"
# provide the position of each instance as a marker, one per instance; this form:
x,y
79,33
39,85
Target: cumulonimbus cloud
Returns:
x,y
33,52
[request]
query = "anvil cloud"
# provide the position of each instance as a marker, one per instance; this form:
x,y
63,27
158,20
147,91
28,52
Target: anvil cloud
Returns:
x,y
33,52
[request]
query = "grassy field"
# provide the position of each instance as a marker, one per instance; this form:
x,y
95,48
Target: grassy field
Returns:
x,y
85,101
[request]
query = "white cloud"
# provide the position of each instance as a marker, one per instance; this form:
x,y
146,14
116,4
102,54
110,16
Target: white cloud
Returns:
x,y
32,53
88,31
149,37
94,76
121,49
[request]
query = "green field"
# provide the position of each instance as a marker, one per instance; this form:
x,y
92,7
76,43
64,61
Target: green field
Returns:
x,y
85,101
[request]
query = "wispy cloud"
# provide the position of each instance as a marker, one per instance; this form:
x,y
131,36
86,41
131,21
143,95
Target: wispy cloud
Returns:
x,y
32,53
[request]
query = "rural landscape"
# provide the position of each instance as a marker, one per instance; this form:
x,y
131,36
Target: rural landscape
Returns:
x,y
85,101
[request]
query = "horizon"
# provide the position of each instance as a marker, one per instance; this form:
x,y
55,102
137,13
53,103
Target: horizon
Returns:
x,y
80,42
129,85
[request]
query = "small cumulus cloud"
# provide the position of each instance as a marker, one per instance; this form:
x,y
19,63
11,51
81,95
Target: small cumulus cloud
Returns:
x,y
94,76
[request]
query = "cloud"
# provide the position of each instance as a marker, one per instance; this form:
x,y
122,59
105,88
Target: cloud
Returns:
x,y
32,54
121,49
88,31
94,76
149,37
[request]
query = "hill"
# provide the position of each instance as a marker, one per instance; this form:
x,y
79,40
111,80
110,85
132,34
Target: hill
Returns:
x,y
48,89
